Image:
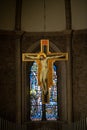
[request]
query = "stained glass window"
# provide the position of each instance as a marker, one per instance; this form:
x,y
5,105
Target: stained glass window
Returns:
x,y
36,111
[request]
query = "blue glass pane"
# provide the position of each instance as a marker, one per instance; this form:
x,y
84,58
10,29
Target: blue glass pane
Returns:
x,y
51,112
36,112
35,95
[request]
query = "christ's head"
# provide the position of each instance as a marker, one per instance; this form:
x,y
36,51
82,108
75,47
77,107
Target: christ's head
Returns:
x,y
42,57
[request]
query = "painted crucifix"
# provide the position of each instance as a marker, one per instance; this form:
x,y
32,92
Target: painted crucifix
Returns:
x,y
45,60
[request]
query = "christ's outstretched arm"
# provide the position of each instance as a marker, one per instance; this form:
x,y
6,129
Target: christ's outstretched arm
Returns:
x,y
56,57
31,57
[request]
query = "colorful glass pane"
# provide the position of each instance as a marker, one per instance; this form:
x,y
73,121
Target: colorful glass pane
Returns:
x,y
35,95
36,99
52,107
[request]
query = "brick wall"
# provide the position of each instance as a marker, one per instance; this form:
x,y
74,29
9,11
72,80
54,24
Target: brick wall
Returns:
x,y
7,77
79,74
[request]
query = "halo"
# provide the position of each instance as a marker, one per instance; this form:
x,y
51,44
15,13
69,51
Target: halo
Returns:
x,y
42,54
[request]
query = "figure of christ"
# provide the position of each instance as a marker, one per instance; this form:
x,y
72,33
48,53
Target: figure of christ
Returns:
x,y
44,69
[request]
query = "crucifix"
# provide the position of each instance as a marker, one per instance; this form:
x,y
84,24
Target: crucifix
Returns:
x,y
45,60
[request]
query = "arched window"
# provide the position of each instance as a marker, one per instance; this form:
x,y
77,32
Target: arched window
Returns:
x,y
51,109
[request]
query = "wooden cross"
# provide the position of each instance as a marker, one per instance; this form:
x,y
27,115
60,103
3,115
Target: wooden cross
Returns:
x,y
45,60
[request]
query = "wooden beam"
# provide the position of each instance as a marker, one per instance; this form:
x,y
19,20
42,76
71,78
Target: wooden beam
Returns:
x,y
18,15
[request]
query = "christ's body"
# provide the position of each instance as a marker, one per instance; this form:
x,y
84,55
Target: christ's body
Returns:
x,y
44,69
44,73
